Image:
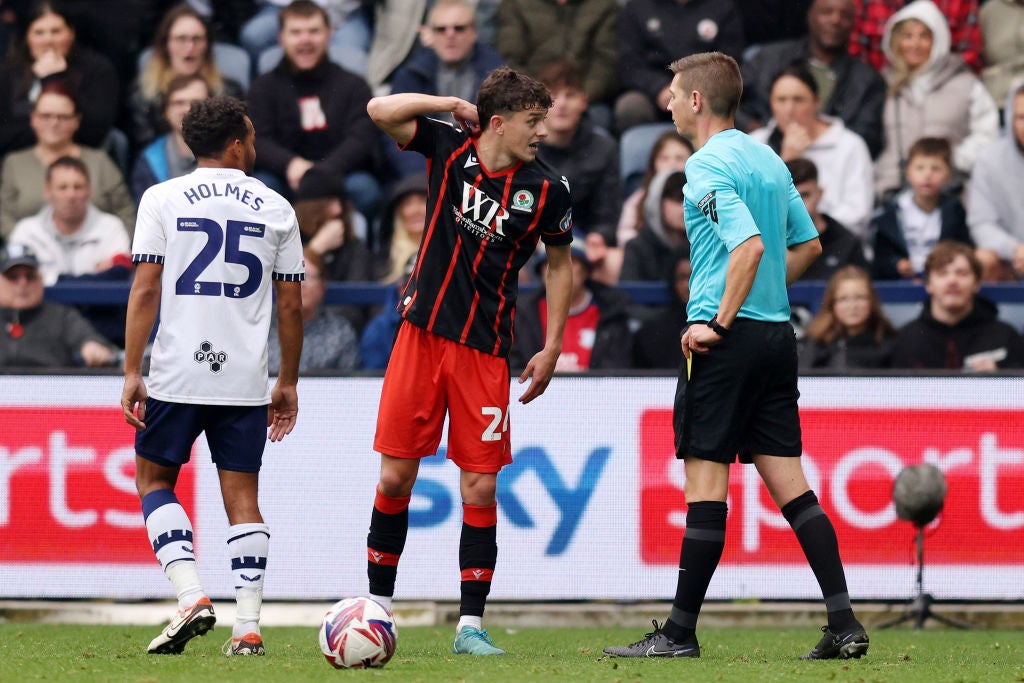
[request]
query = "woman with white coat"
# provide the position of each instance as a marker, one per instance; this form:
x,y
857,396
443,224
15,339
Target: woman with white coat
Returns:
x,y
932,93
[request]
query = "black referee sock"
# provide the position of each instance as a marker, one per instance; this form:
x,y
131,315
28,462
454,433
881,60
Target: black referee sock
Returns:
x,y
817,537
389,526
703,542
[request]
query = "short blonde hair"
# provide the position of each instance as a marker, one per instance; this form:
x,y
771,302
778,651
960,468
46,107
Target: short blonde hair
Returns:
x,y
716,76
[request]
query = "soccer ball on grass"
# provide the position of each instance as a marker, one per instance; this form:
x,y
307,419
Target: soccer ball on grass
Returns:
x,y
358,633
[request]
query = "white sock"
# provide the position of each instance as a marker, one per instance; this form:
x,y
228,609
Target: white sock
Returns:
x,y
170,533
383,600
248,545
467,620
185,578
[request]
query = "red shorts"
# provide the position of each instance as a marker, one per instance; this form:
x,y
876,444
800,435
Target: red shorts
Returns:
x,y
429,376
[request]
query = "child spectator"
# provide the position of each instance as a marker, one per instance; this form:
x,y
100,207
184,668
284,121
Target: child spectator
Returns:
x,y
168,156
649,254
839,246
928,211
668,153
850,329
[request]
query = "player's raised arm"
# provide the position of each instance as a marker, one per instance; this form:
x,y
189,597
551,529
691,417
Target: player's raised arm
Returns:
x,y
396,114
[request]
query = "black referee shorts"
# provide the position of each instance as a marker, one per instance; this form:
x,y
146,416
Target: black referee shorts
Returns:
x,y
741,397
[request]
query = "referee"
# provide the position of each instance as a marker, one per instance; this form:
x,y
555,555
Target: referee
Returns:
x,y
737,395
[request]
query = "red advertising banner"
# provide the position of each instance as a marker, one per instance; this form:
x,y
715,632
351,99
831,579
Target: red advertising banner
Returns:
x,y
852,456
67,487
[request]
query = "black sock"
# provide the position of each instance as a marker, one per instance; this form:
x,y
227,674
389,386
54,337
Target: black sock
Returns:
x,y
703,542
478,554
818,539
389,526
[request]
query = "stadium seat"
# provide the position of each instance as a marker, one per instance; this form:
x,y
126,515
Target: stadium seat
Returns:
x,y
634,148
232,61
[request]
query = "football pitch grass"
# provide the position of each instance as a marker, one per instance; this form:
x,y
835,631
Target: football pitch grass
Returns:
x,y
41,652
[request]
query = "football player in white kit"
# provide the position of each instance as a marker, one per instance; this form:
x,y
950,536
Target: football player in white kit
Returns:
x,y
207,247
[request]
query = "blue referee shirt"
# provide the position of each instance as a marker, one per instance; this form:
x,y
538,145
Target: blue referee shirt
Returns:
x,y
736,188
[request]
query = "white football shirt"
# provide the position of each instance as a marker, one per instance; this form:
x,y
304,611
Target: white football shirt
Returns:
x,y
222,238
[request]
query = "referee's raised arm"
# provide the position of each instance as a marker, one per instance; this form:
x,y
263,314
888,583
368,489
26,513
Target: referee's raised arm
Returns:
x,y
396,114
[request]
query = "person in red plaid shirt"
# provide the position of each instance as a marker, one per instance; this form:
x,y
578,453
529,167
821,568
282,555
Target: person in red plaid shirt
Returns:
x,y
868,27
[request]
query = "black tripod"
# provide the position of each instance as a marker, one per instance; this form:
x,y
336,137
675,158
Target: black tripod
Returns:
x,y
921,606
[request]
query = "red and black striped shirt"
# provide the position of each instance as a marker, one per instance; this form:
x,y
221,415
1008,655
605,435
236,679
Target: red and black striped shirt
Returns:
x,y
481,228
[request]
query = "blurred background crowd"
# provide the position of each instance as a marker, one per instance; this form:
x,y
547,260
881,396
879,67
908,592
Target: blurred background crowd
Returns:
x,y
902,124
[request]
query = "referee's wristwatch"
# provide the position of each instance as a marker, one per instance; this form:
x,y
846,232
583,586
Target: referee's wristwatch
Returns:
x,y
717,327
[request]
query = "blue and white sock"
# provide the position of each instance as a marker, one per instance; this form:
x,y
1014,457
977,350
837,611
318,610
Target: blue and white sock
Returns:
x,y
248,545
170,532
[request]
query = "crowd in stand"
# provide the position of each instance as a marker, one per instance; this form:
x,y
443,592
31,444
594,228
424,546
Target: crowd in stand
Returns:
x,y
902,124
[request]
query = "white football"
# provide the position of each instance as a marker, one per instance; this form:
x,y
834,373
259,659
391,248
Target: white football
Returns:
x,y
358,633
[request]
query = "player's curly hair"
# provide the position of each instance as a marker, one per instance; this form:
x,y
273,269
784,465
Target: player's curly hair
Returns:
x,y
506,91
211,125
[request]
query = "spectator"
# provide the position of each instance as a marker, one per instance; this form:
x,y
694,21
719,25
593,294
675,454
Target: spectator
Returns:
x,y
182,46
649,254
849,89
668,153
40,333
932,93
450,62
401,227
311,113
960,16
70,236
928,211
581,152
534,33
996,216
769,21
55,118
597,335
657,342
1002,25
350,37
379,335
330,342
842,157
850,330
839,246
168,156
326,221
48,52
654,33
957,329
396,25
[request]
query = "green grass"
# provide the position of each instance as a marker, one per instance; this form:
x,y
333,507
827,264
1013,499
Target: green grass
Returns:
x,y
38,652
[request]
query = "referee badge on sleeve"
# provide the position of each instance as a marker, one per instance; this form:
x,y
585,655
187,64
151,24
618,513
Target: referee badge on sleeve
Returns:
x,y
708,206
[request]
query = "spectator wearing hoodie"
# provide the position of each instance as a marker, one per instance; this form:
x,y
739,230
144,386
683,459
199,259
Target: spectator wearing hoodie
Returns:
x,y
996,215
957,329
932,93
657,343
649,254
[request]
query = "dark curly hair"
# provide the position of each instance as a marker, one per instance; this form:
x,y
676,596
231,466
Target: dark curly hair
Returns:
x,y
507,91
211,125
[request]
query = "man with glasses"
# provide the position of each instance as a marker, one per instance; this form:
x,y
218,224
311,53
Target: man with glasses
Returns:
x,y
37,333
451,62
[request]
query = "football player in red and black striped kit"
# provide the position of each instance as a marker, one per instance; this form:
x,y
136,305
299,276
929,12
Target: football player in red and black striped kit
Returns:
x,y
488,204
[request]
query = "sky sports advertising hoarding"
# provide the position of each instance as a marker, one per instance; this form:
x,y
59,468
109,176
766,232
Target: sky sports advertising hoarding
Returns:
x,y
591,508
